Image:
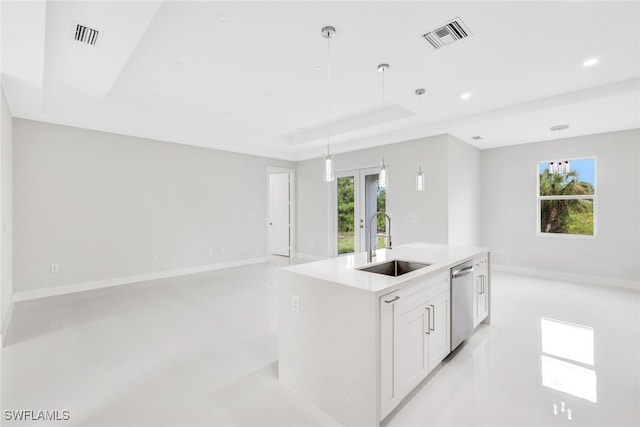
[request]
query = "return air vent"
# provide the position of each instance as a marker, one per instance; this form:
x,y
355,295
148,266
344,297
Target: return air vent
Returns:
x,y
449,33
86,35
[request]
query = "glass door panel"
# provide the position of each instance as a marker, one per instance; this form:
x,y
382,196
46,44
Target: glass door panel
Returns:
x,y
373,199
346,204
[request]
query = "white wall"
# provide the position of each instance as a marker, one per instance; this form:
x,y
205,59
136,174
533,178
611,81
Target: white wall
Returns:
x,y
6,210
464,193
99,204
509,207
416,216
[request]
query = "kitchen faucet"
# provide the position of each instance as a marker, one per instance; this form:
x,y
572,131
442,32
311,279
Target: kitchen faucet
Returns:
x,y
372,246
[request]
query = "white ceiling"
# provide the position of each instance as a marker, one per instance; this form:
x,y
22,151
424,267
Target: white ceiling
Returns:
x,y
251,77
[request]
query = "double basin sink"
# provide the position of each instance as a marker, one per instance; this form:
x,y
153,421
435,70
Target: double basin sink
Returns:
x,y
394,268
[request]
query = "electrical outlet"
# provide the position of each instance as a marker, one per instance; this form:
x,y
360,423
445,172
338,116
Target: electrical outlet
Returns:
x,y
54,268
223,249
210,251
153,257
241,248
412,219
295,303
501,251
252,217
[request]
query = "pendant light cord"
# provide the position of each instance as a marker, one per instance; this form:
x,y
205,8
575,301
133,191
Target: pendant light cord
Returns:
x,y
328,91
383,127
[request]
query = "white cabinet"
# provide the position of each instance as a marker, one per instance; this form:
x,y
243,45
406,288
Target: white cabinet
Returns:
x,y
439,329
481,289
415,336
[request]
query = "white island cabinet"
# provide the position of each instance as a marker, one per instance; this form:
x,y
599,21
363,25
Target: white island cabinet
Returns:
x,y
356,343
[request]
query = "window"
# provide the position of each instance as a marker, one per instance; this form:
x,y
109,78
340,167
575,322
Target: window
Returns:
x,y
567,197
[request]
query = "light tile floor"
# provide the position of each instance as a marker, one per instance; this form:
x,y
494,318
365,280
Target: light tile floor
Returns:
x,y
201,350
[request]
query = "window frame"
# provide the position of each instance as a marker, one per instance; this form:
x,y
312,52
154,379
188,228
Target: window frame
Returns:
x,y
592,197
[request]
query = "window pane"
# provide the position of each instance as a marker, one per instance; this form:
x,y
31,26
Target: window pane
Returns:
x,y
381,206
579,181
566,216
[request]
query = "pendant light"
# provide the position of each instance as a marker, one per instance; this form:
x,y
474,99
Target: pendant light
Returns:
x,y
328,176
383,177
420,179
420,174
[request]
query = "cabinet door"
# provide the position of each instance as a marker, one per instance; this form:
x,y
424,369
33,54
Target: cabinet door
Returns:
x,y
440,329
483,299
479,296
388,399
410,349
477,288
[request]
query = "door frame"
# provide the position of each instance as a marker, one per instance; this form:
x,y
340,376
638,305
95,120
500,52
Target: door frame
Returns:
x,y
272,170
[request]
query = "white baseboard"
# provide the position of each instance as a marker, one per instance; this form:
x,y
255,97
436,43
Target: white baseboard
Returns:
x,y
309,257
569,277
117,281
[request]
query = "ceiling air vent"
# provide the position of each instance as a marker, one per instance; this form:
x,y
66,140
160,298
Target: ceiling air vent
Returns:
x,y
86,35
447,34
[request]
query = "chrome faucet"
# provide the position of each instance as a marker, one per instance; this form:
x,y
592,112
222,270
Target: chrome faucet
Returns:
x,y
372,246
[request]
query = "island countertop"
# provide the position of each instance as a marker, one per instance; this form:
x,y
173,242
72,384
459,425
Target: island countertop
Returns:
x,y
344,269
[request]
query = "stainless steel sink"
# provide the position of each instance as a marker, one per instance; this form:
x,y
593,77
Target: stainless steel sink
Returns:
x,y
395,267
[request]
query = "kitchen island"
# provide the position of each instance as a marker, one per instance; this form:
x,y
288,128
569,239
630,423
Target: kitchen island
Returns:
x,y
355,343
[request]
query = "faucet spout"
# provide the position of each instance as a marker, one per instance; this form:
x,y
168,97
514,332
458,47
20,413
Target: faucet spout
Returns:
x,y
372,247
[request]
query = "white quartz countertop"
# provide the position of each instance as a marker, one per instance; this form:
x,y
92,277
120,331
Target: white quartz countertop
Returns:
x,y
344,269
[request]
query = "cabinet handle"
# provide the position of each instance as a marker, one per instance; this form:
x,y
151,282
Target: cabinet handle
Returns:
x,y
428,320
393,300
433,313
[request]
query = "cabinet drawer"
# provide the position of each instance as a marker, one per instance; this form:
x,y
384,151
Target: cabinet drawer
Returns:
x,y
419,293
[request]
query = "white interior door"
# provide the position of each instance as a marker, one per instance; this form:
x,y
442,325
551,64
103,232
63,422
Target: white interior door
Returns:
x,y
279,214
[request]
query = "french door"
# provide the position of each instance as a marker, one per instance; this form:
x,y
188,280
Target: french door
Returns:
x,y
357,199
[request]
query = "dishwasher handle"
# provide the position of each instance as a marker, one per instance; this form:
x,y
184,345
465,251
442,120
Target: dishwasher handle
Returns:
x,y
462,272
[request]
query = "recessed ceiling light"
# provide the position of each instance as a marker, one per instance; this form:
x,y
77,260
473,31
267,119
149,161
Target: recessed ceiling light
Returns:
x,y
300,129
317,68
266,94
559,127
224,19
465,96
179,64
590,62
374,96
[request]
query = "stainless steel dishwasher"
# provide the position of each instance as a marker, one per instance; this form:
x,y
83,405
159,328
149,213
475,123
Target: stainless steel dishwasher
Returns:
x,y
461,303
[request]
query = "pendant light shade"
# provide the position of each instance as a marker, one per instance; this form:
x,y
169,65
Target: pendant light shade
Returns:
x,y
382,176
328,168
420,179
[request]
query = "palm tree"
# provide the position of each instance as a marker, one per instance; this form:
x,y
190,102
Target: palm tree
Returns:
x,y
555,215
